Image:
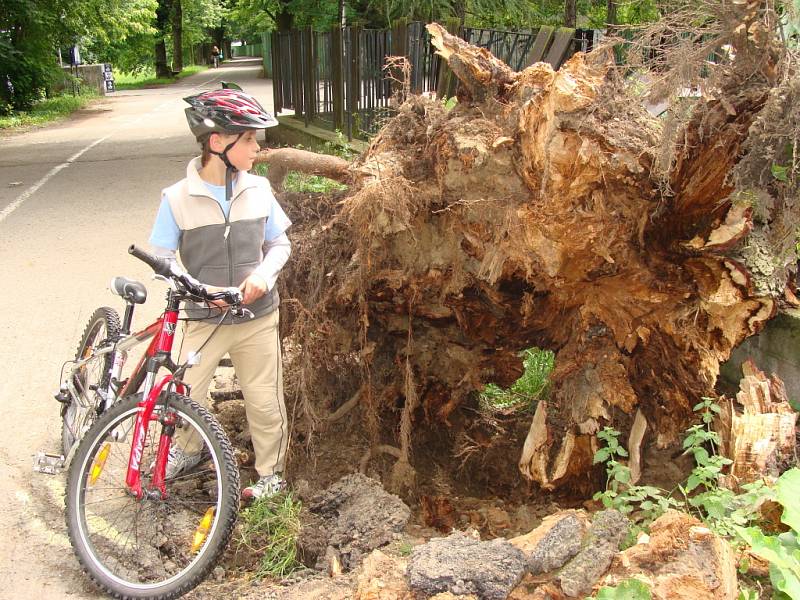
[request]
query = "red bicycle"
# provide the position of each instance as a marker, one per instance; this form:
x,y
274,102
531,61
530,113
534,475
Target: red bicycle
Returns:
x,y
137,531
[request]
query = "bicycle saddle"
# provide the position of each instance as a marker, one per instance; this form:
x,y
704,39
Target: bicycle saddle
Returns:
x,y
130,290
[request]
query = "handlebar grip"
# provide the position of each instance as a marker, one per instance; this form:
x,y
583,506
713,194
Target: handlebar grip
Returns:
x,y
159,265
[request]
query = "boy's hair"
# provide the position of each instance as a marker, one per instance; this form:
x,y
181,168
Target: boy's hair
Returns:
x,y
205,146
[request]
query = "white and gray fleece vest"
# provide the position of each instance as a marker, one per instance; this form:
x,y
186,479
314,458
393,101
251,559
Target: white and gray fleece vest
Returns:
x,y
217,250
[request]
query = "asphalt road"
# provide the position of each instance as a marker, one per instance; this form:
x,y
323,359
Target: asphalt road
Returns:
x,y
73,197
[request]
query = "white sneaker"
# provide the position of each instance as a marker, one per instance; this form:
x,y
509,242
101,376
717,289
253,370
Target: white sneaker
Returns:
x,y
266,486
179,461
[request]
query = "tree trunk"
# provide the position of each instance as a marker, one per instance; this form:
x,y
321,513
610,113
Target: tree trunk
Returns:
x,y
283,160
570,13
534,213
162,21
611,16
162,70
177,36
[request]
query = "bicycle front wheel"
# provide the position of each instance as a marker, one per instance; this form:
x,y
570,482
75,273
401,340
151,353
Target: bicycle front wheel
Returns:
x,y
160,546
91,377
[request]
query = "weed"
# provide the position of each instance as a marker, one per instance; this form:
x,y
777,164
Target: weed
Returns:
x,y
629,589
522,395
782,551
269,529
650,502
721,508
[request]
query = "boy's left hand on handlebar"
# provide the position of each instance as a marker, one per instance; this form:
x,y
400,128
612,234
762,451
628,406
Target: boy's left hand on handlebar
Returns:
x,y
253,288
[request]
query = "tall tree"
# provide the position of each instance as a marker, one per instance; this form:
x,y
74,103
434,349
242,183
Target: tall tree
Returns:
x,y
162,22
177,35
570,13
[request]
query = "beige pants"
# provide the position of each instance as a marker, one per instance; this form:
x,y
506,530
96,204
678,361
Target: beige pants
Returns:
x,y
254,348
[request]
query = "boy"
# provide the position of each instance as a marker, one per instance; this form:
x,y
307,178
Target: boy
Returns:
x,y
230,231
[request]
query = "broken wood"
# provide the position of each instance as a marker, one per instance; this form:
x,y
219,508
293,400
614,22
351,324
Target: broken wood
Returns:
x,y
681,559
535,213
758,430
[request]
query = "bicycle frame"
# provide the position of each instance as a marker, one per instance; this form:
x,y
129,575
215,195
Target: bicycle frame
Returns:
x,y
161,334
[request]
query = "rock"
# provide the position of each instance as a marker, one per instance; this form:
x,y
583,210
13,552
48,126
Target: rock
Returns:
x,y
609,527
554,542
460,564
681,560
353,517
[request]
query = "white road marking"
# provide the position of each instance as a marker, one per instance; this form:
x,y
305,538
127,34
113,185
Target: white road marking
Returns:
x,y
32,190
52,172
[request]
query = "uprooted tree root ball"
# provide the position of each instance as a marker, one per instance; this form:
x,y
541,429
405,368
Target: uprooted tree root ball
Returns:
x,y
538,212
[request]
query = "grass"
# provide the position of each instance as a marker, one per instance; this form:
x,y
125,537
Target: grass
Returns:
x,y
297,181
303,182
269,529
525,391
133,81
48,110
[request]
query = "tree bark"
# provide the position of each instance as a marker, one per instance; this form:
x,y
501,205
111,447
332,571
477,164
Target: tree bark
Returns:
x,y
611,16
570,13
283,160
162,21
533,214
177,36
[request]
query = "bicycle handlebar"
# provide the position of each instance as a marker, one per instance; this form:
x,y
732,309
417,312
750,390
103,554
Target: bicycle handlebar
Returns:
x,y
160,265
167,268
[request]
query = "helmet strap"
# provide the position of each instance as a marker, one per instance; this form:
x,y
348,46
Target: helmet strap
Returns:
x,y
224,154
229,183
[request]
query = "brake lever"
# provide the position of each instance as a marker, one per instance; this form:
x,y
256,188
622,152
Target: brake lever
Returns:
x,y
243,312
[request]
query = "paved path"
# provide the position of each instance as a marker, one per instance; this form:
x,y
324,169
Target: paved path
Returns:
x,y
73,197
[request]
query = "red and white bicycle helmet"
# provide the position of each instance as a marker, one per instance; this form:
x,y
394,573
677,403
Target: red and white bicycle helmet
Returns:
x,y
226,111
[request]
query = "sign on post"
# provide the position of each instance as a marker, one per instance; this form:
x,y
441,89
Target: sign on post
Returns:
x,y
108,77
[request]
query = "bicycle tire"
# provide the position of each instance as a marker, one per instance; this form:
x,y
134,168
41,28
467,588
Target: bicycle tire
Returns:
x,y
103,324
153,567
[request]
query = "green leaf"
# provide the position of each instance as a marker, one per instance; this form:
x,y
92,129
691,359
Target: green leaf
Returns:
x,y
780,172
630,589
601,456
693,482
788,487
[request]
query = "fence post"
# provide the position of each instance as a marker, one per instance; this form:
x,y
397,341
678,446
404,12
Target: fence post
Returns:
x,y
337,75
400,48
297,73
354,79
309,78
277,72
447,80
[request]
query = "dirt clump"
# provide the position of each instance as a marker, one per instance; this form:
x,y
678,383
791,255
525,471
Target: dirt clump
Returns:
x,y
348,520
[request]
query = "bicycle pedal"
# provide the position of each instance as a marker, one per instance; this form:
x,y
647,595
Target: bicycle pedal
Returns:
x,y
50,464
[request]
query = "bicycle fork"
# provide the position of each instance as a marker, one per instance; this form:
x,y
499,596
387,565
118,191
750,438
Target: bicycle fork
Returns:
x,y
151,392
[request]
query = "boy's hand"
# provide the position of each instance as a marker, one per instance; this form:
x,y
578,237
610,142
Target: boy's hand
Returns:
x,y
253,288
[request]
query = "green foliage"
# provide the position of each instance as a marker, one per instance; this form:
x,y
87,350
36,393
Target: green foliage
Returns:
x,y
629,589
645,503
48,110
305,183
537,364
782,551
722,509
269,529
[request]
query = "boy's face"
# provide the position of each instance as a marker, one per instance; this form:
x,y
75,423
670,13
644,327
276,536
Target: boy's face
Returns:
x,y
243,152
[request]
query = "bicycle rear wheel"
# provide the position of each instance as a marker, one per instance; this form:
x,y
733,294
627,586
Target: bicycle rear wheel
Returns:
x,y
153,547
75,419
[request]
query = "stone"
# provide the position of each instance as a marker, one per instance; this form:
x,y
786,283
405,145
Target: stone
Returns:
x,y
554,542
462,565
609,528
